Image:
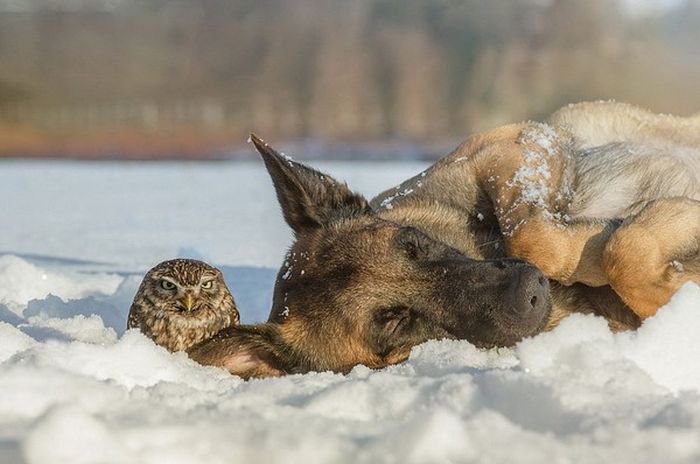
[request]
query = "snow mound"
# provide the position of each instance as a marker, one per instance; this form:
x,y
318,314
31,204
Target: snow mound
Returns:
x,y
88,329
12,341
576,394
664,349
23,281
54,439
132,361
667,345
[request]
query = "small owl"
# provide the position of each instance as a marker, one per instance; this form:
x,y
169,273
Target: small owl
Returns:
x,y
181,303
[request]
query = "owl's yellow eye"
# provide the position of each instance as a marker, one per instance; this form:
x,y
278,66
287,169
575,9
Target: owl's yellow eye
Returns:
x,y
167,285
208,284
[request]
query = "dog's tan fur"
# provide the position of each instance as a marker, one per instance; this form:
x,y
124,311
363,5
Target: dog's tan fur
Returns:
x,y
602,196
605,162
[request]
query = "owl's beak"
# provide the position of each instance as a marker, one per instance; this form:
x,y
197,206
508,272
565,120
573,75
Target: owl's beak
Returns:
x,y
189,301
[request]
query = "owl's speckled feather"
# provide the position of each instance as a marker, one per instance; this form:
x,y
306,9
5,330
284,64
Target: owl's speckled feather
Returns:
x,y
182,302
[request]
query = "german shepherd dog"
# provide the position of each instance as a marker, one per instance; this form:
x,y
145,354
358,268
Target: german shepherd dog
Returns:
x,y
595,211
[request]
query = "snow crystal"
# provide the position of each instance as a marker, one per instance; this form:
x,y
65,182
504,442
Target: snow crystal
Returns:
x,y
387,202
677,265
291,259
542,135
285,311
532,178
289,159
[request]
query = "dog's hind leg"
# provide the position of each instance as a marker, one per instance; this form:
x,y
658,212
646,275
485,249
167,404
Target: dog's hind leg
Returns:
x,y
654,253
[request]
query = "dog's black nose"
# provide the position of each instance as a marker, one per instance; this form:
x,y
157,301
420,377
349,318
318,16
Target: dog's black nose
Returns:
x,y
529,290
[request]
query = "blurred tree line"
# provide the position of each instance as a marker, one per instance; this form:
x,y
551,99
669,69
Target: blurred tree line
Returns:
x,y
339,69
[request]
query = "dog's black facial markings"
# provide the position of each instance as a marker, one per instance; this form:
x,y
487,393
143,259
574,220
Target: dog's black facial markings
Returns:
x,y
357,288
421,289
475,300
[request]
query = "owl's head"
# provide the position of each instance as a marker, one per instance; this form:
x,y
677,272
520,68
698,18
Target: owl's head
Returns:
x,y
182,302
185,286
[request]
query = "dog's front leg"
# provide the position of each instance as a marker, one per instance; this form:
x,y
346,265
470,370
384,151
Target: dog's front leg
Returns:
x,y
529,183
566,252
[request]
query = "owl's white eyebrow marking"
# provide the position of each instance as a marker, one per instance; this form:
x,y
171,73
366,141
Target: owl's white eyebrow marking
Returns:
x,y
172,281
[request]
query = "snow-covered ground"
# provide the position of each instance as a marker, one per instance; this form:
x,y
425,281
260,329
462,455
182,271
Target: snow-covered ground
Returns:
x,y
75,239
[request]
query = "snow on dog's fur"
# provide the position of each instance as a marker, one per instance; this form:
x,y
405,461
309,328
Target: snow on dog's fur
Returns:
x,y
365,281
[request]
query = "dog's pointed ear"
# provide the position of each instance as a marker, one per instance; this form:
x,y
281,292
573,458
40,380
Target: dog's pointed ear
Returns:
x,y
248,351
308,198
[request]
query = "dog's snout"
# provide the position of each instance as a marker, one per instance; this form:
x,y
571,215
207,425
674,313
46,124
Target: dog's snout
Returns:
x,y
529,291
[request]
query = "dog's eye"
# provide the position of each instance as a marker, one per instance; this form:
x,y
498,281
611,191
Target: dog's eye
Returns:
x,y
412,249
390,323
414,243
167,285
390,320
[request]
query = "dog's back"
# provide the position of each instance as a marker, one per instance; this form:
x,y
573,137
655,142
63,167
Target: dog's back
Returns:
x,y
595,124
627,157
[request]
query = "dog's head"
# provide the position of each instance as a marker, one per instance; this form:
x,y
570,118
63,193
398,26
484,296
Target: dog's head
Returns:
x,y
357,289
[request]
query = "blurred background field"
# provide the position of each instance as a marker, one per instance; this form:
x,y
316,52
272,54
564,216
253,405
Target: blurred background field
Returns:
x,y
344,83
334,79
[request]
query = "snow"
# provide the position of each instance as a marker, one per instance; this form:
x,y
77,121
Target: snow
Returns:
x,y
77,388
142,213
23,282
388,201
531,180
57,428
